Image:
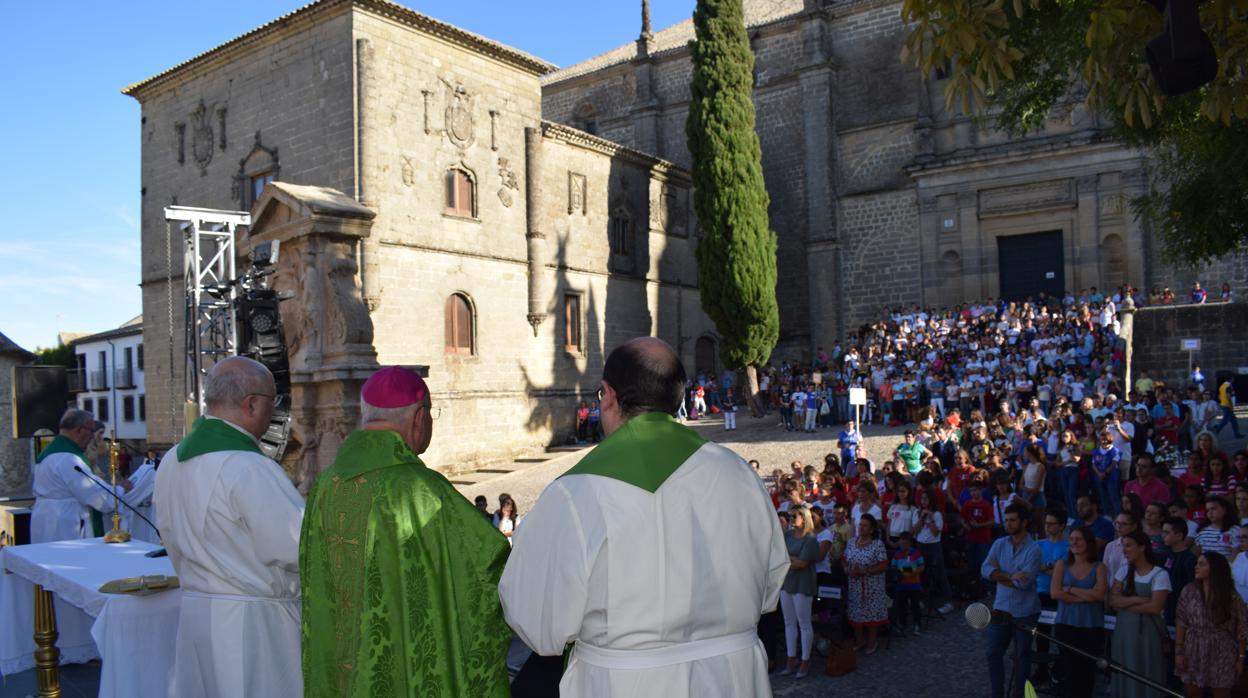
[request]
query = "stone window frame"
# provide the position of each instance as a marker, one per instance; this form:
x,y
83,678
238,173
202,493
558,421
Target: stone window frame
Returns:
x,y
252,167
574,322
452,325
622,256
454,209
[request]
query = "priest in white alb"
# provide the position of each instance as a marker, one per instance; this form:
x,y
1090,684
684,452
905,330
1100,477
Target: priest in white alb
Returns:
x,y
65,491
653,557
230,518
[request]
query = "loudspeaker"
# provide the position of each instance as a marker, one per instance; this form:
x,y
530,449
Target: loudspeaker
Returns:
x,y
40,396
1182,57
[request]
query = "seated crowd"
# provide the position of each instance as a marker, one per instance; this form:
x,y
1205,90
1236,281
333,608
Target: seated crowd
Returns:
x,y
1020,428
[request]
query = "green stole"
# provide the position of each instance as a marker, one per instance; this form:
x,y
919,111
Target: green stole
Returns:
x,y
62,444
643,452
213,435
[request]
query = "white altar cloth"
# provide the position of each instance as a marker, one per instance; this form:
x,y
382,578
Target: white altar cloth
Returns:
x,y
135,634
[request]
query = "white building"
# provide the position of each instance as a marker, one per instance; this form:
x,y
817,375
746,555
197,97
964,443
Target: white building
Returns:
x,y
108,382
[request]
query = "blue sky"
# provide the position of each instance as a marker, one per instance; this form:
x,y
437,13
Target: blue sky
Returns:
x,y
69,247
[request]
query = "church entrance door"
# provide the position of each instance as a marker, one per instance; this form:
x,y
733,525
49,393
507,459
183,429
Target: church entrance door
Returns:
x,y
1029,264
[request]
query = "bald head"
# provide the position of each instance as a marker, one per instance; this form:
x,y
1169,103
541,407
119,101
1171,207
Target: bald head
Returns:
x,y
646,376
230,382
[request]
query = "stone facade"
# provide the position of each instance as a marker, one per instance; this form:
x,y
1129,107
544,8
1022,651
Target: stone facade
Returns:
x,y
382,104
880,194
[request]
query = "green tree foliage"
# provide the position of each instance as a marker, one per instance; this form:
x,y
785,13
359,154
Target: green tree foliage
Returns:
x,y
1017,60
737,250
60,355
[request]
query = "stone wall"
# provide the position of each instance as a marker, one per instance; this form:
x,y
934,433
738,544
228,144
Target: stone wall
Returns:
x,y
1222,329
14,453
290,91
881,260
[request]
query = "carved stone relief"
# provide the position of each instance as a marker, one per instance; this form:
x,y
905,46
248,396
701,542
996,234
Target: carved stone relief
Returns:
x,y
202,139
221,127
577,191
509,181
460,123
426,94
1112,205
406,171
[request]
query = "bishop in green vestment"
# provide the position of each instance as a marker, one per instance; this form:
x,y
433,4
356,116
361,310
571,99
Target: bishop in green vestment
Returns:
x,y
400,572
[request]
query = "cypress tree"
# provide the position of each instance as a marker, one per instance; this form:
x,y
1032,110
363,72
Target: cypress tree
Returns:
x,y
737,250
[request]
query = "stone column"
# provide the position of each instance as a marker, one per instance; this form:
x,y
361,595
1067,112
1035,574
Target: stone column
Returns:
x,y
974,265
826,319
1083,267
328,327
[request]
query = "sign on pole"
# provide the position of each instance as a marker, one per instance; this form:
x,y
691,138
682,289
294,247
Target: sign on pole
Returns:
x,y
858,396
1189,344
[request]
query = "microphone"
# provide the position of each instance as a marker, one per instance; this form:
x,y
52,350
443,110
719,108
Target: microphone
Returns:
x,y
978,616
119,499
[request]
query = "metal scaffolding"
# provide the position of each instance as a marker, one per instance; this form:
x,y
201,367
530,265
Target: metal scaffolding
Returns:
x,y
209,273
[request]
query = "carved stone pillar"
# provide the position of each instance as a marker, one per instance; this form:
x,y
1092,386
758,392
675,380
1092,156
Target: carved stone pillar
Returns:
x,y
329,331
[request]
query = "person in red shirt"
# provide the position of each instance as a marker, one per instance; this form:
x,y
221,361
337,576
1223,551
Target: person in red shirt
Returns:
x,y
954,418
1149,488
977,516
1195,473
961,474
1194,497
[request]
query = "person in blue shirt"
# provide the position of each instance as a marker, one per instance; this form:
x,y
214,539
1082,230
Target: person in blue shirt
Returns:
x,y
1012,564
850,441
1053,547
1105,474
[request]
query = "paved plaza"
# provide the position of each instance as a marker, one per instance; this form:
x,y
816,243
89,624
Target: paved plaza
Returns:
x,y
945,660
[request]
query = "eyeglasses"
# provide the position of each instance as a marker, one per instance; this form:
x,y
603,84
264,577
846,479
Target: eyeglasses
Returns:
x,y
434,412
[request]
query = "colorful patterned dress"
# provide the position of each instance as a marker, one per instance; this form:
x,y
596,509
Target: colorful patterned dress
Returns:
x,y
867,601
1211,651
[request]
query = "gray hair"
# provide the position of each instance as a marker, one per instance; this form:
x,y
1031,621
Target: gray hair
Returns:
x,y
393,415
75,418
233,379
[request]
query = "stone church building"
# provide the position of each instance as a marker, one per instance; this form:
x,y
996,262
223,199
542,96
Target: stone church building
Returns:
x,y
510,222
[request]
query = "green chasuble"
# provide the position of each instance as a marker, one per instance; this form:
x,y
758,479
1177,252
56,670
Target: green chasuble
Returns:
x,y
62,444
643,452
400,581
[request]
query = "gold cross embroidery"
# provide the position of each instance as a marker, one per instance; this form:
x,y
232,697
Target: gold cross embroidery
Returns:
x,y
339,539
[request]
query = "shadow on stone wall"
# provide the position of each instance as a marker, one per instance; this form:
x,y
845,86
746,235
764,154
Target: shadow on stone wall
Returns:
x,y
625,311
1222,329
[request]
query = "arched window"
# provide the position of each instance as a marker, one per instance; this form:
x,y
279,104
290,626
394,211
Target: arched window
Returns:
x,y
586,118
460,193
705,357
459,324
621,235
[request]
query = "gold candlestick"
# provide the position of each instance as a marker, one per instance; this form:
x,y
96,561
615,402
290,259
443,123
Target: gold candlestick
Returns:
x,y
117,535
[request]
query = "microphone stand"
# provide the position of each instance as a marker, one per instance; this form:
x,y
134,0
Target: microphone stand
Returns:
x,y
123,502
1102,663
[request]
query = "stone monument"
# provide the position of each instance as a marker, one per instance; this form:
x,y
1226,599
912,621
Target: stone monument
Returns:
x,y
329,334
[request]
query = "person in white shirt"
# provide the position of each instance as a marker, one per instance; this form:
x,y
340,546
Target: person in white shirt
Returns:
x,y
231,521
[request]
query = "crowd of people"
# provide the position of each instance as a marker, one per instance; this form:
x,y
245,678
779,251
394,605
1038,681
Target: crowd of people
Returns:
x,y
1028,472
